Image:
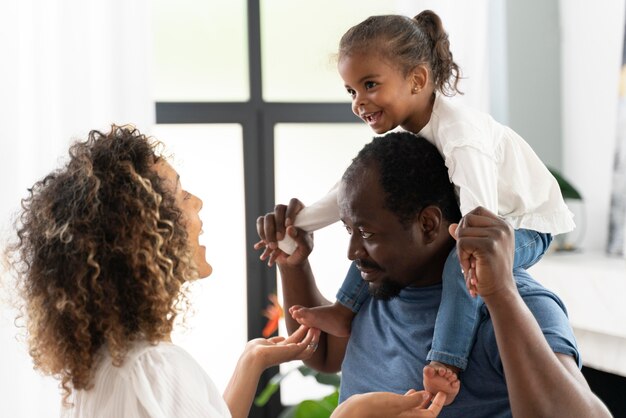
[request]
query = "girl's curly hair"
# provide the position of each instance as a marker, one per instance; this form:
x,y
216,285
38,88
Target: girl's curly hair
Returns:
x,y
101,256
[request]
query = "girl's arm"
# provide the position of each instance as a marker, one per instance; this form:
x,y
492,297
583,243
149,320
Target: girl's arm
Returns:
x,y
475,175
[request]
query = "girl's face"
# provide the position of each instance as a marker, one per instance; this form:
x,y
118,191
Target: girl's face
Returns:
x,y
381,95
190,206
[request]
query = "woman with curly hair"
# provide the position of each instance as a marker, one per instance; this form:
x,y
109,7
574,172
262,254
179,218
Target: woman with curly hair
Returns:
x,y
106,246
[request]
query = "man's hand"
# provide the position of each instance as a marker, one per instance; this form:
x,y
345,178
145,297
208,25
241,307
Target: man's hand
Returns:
x,y
486,245
272,228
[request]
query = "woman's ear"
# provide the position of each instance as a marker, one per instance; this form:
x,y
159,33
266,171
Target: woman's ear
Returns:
x,y
419,78
430,220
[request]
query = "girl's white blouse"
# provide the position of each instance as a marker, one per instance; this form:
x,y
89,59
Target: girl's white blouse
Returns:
x,y
157,381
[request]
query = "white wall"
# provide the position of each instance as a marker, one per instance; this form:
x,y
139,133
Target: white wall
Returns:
x,y
592,37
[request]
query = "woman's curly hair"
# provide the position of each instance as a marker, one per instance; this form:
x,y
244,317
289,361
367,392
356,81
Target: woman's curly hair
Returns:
x,y
101,255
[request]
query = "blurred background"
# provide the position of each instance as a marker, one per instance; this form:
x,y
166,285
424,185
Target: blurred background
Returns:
x,y
246,97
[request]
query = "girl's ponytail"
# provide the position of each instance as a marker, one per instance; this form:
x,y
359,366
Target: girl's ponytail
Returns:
x,y
446,72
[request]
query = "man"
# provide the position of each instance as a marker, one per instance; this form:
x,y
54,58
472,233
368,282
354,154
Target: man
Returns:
x,y
398,205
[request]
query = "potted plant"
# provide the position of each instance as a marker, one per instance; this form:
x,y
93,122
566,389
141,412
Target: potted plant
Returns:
x,y
309,408
574,200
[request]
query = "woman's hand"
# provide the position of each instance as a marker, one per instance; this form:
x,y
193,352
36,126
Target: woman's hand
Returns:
x,y
272,351
390,405
260,354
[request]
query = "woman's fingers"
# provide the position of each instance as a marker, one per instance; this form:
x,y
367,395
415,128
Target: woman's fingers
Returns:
x,y
437,404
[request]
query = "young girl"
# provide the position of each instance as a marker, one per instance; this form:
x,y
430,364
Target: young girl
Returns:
x,y
399,72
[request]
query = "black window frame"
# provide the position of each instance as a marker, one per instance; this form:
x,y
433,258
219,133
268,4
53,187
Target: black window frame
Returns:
x,y
258,119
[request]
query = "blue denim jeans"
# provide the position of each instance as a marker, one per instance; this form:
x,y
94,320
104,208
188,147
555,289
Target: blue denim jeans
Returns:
x,y
457,318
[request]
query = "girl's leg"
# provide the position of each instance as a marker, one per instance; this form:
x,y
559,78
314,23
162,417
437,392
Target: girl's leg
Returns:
x,y
530,246
457,318
336,319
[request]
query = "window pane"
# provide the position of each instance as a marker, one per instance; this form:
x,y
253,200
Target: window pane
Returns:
x,y
329,149
200,50
209,159
299,39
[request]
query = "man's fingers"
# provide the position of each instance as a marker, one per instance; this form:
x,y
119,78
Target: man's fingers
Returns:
x,y
269,227
292,210
260,229
452,230
279,221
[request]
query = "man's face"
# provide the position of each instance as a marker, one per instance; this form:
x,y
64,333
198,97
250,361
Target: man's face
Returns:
x,y
390,255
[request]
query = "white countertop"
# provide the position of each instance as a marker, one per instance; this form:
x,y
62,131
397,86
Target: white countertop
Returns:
x,y
593,287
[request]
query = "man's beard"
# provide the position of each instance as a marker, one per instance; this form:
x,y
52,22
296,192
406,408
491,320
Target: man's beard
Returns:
x,y
386,290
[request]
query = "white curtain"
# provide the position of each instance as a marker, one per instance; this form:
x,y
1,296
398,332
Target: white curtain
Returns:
x,y
67,66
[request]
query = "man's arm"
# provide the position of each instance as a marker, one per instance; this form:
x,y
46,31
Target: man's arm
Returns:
x,y
540,383
299,288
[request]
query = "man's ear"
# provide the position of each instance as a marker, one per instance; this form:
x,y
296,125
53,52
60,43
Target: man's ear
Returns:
x,y
430,220
419,78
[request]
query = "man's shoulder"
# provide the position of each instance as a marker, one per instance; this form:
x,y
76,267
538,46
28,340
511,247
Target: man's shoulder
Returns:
x,y
534,292
549,312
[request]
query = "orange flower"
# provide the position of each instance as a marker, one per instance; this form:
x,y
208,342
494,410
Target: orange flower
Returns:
x,y
273,313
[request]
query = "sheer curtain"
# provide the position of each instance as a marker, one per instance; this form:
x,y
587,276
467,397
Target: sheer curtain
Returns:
x,y
68,66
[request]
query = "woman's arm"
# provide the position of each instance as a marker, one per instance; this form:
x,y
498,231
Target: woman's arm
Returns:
x,y
260,354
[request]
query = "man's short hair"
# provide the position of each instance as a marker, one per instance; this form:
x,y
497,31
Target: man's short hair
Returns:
x,y
412,174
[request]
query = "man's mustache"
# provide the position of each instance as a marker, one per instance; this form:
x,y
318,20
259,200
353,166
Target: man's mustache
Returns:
x,y
366,264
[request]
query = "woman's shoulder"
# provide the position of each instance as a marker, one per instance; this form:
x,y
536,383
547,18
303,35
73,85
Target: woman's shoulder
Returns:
x,y
162,356
160,379
169,376
155,361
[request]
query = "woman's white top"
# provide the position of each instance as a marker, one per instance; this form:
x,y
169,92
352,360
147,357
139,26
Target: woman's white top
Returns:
x,y
489,164
157,381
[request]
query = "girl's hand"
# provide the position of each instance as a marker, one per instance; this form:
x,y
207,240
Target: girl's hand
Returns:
x,y
272,351
386,404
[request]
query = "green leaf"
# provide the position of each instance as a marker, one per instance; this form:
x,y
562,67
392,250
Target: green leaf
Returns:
x,y
332,400
289,412
321,408
331,379
272,386
567,189
266,394
313,409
